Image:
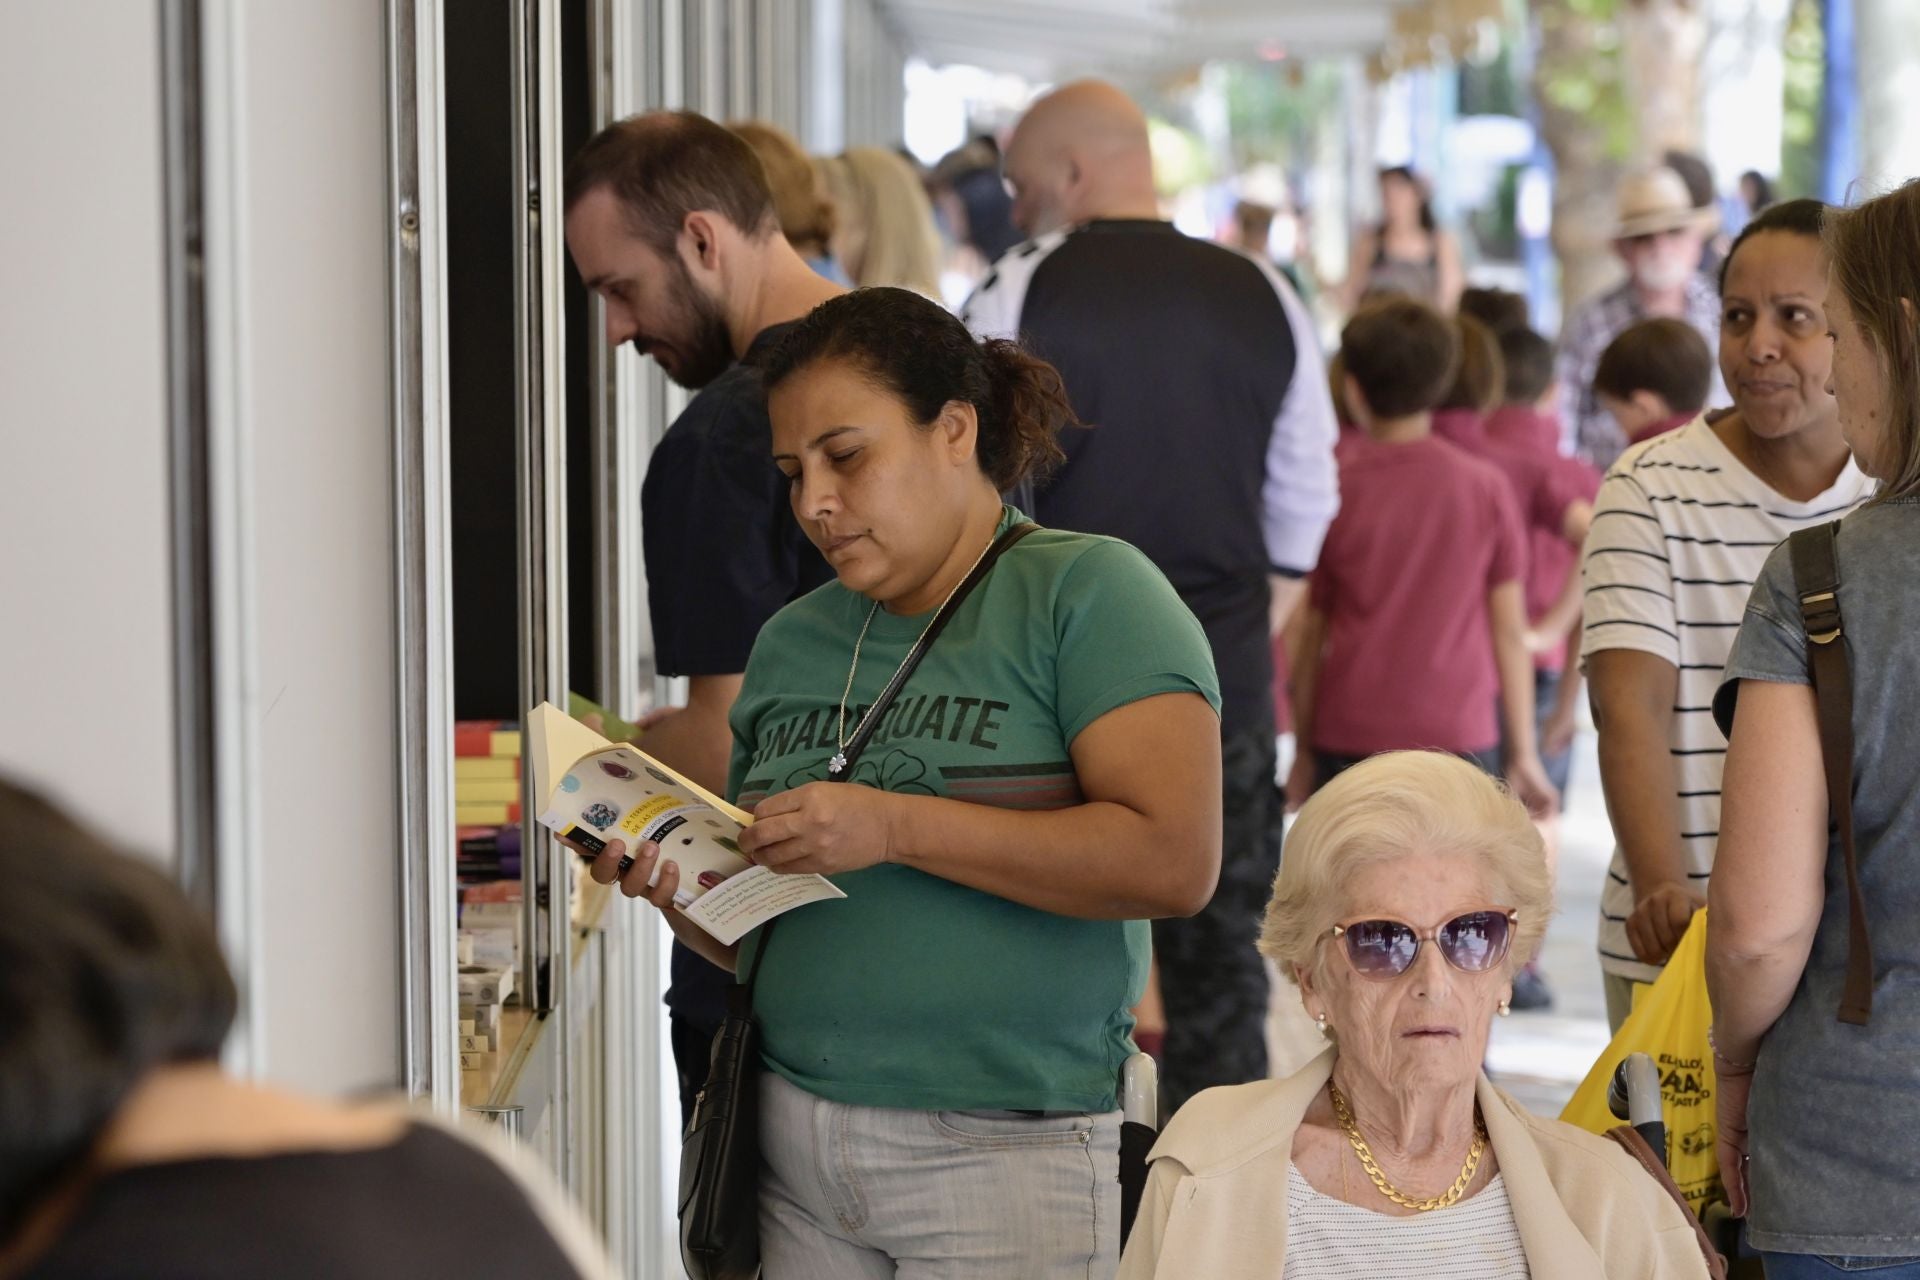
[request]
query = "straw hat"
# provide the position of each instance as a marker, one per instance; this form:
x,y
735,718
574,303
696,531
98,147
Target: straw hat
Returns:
x,y
1654,200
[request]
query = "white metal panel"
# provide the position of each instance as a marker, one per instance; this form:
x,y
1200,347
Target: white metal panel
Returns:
x,y
312,301
416,237
85,662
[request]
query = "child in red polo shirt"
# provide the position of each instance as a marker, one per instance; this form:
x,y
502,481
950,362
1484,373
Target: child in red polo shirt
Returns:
x,y
1528,425
1654,378
1416,616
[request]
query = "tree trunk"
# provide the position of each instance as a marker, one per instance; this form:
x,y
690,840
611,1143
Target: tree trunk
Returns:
x,y
1661,44
1644,59
1568,83
1887,37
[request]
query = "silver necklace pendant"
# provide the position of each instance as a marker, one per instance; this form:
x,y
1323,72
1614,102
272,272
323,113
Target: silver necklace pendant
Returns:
x,y
839,762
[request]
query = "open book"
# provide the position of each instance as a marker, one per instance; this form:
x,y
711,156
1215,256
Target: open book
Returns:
x,y
593,791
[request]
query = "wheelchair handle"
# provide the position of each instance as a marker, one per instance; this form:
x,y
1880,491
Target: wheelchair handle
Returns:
x,y
1140,1091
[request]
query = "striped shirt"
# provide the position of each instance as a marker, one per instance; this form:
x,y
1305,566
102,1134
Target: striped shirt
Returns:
x,y
1680,531
1476,1239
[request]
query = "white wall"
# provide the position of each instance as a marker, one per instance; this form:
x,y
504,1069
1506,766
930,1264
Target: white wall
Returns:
x,y
85,648
314,299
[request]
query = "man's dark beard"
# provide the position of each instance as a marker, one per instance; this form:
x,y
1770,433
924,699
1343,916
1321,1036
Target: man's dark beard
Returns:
x,y
704,344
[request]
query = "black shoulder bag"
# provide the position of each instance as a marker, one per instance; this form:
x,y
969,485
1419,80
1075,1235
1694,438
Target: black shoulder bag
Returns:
x,y
720,1152
1816,579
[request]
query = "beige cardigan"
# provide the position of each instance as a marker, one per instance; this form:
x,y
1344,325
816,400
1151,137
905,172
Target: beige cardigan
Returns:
x,y
1215,1203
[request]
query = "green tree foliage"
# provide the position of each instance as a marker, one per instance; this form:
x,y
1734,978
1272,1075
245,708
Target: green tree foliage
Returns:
x,y
1579,77
1806,48
1272,109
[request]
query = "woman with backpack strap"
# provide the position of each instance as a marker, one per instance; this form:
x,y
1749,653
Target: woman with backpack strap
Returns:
x,y
1815,905
942,1046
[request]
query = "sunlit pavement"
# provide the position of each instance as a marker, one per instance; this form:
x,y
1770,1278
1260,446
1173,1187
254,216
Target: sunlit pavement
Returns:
x,y
1541,1057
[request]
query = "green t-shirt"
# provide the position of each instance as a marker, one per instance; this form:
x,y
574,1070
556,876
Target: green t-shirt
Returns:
x,y
914,991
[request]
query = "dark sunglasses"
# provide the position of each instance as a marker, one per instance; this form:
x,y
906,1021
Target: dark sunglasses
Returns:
x,y
1472,943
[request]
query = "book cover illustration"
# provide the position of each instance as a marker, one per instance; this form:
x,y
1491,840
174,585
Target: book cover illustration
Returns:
x,y
601,791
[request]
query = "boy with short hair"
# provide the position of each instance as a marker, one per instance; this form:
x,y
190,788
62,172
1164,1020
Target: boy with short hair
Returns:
x,y
1528,415
1529,422
1654,378
1416,614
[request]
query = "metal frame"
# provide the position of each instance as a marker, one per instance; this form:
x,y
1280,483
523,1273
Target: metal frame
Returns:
x,y
539,341
625,53
416,263
215,664
185,250
744,97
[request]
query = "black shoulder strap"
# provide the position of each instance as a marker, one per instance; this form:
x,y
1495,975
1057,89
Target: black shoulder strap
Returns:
x,y
742,993
1816,579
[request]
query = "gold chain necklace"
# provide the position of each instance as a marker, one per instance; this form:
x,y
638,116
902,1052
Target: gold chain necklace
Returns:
x,y
839,760
1447,1199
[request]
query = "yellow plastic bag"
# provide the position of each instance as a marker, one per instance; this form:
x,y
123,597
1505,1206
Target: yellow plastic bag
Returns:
x,y
1668,1022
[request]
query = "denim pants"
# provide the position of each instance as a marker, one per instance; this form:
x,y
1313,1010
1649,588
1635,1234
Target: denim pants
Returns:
x,y
851,1192
1813,1266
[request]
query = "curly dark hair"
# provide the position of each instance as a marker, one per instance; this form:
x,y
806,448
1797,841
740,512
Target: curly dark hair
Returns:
x,y
920,353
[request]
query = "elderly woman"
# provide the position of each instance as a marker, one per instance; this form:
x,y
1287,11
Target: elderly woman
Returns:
x,y
943,1046
1412,887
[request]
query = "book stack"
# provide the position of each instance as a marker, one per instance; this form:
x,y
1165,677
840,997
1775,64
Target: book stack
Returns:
x,y
493,928
486,786
488,854
486,773
484,989
479,1039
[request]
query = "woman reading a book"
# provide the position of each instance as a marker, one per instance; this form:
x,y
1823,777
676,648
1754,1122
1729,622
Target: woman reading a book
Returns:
x,y
943,1044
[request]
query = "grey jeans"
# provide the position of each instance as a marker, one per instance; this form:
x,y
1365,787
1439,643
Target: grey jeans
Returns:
x,y
851,1192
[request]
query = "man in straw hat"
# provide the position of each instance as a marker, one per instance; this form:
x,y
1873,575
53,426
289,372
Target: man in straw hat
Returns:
x,y
1658,237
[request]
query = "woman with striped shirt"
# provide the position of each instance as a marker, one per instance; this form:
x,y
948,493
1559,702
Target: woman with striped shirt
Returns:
x,y
1682,527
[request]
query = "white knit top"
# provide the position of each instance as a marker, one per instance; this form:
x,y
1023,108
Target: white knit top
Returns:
x,y
1329,1239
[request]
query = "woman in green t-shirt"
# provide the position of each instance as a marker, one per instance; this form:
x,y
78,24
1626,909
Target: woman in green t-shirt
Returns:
x,y
943,1044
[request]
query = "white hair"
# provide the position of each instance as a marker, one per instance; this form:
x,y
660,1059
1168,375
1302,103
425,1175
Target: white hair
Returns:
x,y
1385,808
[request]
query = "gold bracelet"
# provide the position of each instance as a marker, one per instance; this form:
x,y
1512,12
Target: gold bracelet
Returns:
x,y
1722,1060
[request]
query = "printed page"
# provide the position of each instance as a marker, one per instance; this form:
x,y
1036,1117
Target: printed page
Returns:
x,y
619,792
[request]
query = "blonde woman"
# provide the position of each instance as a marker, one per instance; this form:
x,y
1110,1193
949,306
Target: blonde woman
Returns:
x,y
1412,889
886,232
807,216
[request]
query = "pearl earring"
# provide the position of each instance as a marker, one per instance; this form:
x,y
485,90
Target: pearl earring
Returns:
x,y
1321,1021
1506,1007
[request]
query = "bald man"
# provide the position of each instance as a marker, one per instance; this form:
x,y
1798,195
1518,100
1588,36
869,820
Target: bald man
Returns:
x,y
1209,447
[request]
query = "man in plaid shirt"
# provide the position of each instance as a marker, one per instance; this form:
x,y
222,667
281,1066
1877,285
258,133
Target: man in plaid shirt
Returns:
x,y
1658,238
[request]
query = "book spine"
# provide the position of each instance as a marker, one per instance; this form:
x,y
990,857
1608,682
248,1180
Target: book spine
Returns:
x,y
489,842
477,815
489,768
486,790
483,871
485,739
